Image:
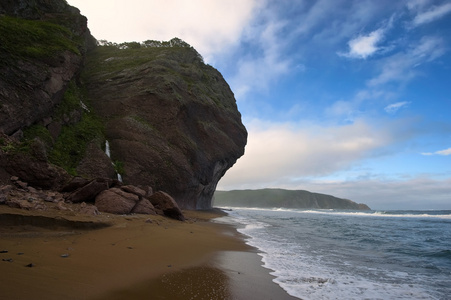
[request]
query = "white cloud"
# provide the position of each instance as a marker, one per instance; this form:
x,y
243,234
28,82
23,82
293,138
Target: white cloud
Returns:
x,y
279,152
379,193
401,66
258,69
364,46
445,152
394,107
209,26
435,13
417,4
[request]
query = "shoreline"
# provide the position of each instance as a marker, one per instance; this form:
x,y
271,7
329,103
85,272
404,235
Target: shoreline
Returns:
x,y
136,257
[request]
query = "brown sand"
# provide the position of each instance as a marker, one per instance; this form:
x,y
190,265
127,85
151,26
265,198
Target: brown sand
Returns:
x,y
132,259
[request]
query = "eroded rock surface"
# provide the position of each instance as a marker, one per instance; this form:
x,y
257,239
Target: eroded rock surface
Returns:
x,y
171,119
34,76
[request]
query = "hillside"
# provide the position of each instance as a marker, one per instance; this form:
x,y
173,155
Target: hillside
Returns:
x,y
265,198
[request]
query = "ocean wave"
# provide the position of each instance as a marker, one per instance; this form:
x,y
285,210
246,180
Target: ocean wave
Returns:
x,y
438,214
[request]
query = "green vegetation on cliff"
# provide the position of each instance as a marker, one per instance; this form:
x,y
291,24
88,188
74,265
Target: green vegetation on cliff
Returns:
x,y
111,61
79,126
33,39
269,198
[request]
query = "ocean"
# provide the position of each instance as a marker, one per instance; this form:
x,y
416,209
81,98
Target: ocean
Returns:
x,y
333,254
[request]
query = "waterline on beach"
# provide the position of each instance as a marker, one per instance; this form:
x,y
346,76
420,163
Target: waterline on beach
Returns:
x,y
327,254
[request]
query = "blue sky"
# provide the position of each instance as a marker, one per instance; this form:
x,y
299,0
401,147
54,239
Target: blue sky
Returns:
x,y
346,97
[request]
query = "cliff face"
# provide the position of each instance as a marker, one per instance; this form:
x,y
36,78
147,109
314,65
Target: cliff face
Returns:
x,y
171,121
42,44
270,198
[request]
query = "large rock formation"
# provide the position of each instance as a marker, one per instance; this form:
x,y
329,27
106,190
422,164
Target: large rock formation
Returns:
x,y
171,120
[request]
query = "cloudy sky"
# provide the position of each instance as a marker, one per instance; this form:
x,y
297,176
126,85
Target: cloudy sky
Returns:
x,y
346,97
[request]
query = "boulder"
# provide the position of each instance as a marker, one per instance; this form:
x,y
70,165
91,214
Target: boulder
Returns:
x,y
35,172
88,192
74,184
134,190
116,201
164,202
143,207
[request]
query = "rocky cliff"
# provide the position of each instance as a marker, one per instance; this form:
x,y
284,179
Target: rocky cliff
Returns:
x,y
170,120
270,198
42,45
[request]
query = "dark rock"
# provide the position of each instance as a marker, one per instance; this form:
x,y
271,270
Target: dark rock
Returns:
x,y
74,184
30,265
21,184
54,129
88,192
164,202
172,121
35,172
116,201
134,190
96,164
5,189
147,189
143,207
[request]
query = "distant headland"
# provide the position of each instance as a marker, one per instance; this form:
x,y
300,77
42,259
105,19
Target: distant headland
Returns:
x,y
265,198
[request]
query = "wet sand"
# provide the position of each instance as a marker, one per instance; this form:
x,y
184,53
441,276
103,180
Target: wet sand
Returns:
x,y
135,257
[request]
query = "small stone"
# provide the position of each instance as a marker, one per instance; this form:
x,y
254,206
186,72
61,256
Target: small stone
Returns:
x,y
22,184
20,253
149,221
8,259
3,251
48,199
65,255
32,190
30,265
14,178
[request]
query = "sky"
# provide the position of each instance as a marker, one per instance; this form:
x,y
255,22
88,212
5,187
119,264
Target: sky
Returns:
x,y
346,97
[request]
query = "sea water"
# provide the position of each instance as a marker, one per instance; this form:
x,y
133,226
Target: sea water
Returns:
x,y
332,254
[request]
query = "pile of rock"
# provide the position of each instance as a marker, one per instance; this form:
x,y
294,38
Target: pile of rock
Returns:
x,y
91,197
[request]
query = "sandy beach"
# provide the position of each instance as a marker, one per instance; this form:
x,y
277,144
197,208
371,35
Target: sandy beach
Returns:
x,y
134,257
